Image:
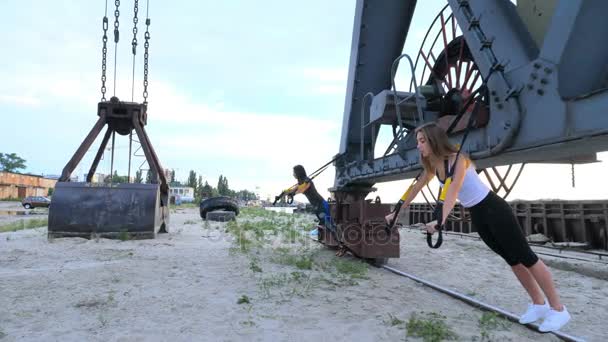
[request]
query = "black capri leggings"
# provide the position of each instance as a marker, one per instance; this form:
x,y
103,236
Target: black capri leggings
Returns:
x,y
499,229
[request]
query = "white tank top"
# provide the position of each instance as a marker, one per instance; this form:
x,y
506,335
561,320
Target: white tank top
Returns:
x,y
473,190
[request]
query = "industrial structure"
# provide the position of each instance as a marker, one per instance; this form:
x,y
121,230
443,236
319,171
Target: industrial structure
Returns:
x,y
522,90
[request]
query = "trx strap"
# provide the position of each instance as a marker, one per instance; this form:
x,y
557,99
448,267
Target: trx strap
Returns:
x,y
438,212
449,173
400,203
290,193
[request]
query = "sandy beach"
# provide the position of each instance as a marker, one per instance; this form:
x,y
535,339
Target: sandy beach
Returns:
x,y
259,279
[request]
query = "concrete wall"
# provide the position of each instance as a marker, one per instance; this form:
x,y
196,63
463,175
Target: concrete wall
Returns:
x,y
16,185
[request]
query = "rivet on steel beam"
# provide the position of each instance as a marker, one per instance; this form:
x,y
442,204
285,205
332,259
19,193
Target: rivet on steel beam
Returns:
x,y
544,81
473,23
513,92
486,43
540,92
498,66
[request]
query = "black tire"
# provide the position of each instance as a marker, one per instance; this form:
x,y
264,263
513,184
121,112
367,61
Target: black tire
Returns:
x,y
221,216
218,203
27,206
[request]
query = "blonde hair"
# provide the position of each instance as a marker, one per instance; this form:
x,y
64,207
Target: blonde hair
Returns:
x,y
441,147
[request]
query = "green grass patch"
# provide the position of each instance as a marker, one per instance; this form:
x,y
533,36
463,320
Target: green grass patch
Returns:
x,y
351,268
11,199
343,272
431,327
286,284
272,282
489,322
302,261
243,300
254,267
248,323
124,235
251,212
291,235
282,250
258,228
24,224
242,243
393,321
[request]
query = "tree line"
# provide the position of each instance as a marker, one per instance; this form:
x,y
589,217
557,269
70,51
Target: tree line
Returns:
x,y
201,189
11,162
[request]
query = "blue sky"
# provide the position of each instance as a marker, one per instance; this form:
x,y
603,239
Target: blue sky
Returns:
x,y
236,88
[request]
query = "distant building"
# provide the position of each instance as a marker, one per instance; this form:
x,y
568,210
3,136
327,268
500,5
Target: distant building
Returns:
x,y
97,177
74,178
184,193
17,185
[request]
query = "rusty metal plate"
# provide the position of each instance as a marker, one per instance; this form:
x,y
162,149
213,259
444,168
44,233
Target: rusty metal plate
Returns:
x,y
91,210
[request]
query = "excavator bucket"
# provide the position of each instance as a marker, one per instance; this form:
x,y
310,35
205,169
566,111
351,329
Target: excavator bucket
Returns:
x,y
121,211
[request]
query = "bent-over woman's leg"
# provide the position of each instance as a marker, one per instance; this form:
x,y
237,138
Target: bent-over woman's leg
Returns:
x,y
505,236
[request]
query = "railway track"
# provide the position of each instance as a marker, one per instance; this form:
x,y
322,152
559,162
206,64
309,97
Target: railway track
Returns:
x,y
478,304
474,302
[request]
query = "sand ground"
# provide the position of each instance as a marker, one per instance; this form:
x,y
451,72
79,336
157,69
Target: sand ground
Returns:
x,y
199,283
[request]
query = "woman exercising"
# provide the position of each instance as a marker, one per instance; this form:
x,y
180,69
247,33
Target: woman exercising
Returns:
x,y
494,220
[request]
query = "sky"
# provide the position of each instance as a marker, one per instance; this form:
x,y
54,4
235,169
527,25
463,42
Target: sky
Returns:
x,y
236,88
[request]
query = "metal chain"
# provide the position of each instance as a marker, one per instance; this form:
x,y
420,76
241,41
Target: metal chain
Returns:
x,y
134,46
103,59
116,38
135,20
116,23
146,45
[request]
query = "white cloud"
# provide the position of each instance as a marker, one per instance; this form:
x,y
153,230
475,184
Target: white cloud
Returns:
x,y
330,89
44,87
20,100
338,75
322,81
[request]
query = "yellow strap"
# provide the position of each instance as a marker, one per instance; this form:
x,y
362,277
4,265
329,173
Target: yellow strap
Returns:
x,y
407,192
448,181
444,189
